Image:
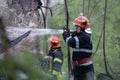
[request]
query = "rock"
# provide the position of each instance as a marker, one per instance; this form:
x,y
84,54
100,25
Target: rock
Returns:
x,y
7,15
26,13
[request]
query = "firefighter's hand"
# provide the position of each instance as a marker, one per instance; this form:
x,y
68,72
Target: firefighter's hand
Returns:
x,y
74,34
66,30
66,33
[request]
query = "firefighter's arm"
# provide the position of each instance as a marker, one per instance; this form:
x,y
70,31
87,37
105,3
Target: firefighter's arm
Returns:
x,y
49,59
66,33
57,61
57,68
57,64
69,39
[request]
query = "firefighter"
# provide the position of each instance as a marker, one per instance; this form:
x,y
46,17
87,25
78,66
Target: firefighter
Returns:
x,y
55,57
81,44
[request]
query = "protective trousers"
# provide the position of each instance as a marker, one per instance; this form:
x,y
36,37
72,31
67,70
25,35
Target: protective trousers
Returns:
x,y
81,74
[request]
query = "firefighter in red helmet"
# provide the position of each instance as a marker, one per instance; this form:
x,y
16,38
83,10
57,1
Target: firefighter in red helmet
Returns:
x,y
56,57
81,43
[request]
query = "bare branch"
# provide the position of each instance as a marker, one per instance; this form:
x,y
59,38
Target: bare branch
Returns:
x,y
96,3
102,13
83,7
89,8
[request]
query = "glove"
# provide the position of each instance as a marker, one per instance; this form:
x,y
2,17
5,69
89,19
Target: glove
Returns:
x,y
74,33
66,30
66,33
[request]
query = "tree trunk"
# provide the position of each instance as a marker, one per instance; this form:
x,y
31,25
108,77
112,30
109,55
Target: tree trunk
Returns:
x,y
26,12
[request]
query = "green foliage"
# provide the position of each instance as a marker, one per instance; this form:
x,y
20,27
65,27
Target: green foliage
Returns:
x,y
57,21
25,63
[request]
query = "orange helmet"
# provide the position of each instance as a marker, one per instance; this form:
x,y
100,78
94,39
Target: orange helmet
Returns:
x,y
82,22
54,41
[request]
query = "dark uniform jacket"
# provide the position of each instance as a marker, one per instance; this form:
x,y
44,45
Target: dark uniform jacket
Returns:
x,y
57,59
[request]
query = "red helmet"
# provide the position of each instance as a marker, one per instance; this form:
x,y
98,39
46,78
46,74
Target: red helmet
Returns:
x,y
82,22
54,41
